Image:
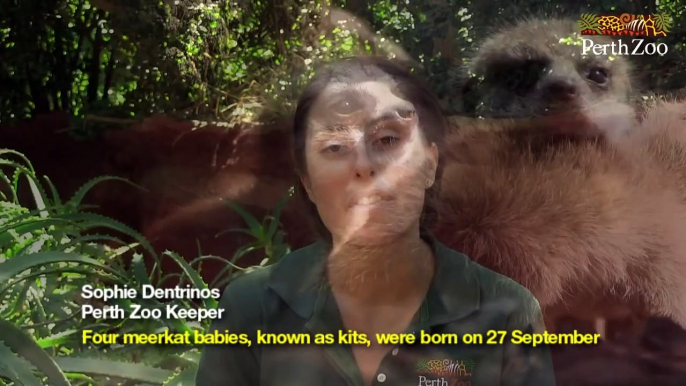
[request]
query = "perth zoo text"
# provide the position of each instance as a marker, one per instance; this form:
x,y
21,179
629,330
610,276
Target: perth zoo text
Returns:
x,y
621,48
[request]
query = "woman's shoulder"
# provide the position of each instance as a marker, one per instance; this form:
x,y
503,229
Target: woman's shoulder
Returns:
x,y
258,278
497,291
501,291
242,299
497,285
259,290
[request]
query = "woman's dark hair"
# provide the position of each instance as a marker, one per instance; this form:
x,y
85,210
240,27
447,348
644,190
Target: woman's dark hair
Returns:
x,y
432,123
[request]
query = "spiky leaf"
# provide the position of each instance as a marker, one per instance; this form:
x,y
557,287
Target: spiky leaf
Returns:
x,y
111,368
13,267
183,378
25,346
76,199
15,369
193,275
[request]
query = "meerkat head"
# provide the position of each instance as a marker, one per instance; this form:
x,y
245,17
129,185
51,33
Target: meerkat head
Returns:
x,y
538,68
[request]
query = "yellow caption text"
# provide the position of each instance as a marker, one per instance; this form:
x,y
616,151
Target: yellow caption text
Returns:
x,y
492,337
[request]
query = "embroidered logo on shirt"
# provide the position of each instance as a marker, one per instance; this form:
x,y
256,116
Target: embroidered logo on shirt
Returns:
x,y
445,372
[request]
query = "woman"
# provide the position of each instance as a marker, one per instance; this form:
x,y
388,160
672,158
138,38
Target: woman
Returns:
x,y
366,148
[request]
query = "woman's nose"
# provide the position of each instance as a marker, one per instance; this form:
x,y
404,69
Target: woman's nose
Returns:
x,y
364,167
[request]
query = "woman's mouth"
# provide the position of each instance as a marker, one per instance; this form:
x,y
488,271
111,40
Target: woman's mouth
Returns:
x,y
372,198
369,200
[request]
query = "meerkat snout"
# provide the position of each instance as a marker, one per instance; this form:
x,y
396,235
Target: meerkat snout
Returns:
x,y
560,89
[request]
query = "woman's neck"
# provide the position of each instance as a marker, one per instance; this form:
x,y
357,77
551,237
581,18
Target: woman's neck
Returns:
x,y
383,274
378,289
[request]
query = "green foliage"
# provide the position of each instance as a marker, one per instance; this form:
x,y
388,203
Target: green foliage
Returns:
x,y
50,251
226,60
239,60
267,237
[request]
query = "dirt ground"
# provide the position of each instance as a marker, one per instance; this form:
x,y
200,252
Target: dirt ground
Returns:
x,y
656,358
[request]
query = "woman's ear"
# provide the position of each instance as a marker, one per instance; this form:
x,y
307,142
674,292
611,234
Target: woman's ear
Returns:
x,y
308,188
431,165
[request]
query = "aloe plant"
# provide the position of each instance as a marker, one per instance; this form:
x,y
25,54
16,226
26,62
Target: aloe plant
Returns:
x,y
267,235
49,252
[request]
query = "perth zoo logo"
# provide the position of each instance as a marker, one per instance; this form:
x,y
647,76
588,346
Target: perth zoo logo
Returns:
x,y
625,24
639,26
445,372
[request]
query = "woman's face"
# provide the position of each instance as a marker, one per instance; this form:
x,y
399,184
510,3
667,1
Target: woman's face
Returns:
x,y
368,164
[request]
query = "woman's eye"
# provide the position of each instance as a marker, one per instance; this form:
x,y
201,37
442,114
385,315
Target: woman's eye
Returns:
x,y
333,149
388,141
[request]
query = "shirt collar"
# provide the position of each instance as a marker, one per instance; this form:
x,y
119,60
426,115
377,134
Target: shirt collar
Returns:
x,y
299,280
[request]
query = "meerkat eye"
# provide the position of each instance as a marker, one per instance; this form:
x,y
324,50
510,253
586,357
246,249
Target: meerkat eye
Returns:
x,y
522,76
598,75
345,105
514,79
406,113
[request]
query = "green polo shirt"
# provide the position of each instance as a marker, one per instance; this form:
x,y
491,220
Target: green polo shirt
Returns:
x,y
293,297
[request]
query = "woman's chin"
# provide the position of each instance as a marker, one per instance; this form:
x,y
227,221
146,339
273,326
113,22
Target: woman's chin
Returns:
x,y
375,224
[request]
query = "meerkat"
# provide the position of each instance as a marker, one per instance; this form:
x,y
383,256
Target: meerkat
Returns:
x,y
579,218
537,70
566,186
